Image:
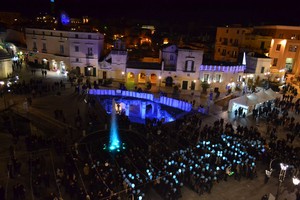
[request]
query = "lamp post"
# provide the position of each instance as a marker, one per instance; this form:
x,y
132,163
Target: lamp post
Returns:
x,y
123,76
283,168
159,83
296,180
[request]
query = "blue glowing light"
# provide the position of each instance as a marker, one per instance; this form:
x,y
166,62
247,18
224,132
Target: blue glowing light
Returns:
x,y
64,18
114,141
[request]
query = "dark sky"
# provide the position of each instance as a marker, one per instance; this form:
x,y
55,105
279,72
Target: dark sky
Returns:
x,y
215,12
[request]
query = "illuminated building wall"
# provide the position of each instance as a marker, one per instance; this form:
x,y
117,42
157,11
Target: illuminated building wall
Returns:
x,y
284,48
280,43
5,66
114,65
77,50
228,42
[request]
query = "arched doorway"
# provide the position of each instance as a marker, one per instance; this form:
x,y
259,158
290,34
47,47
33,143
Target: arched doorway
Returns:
x,y
169,81
130,81
153,79
142,78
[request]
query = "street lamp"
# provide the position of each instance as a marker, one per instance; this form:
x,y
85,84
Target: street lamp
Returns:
x,y
159,82
296,180
123,76
283,168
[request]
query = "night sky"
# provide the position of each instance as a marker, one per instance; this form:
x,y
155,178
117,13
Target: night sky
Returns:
x,y
214,12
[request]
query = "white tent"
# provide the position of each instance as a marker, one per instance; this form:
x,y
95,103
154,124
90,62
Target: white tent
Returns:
x,y
242,100
272,94
254,99
263,97
247,102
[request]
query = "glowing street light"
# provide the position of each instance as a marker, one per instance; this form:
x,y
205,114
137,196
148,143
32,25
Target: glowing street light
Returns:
x,y
283,168
296,181
159,82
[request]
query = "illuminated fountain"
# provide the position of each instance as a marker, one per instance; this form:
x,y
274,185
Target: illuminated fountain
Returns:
x,y
114,143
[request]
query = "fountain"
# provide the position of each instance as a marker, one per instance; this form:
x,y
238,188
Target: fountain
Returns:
x,y
114,140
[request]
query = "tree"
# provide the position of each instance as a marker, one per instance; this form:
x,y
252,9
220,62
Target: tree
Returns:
x,y
204,86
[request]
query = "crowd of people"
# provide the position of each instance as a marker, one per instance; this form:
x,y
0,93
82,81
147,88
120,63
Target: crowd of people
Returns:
x,y
165,157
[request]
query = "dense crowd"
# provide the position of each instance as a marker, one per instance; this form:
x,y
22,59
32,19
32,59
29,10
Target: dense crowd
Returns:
x,y
155,155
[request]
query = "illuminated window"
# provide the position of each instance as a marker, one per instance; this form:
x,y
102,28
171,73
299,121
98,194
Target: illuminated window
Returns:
x,y
275,60
293,37
278,47
293,48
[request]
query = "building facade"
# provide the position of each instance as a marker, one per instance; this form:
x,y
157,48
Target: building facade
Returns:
x,y
228,43
284,48
65,50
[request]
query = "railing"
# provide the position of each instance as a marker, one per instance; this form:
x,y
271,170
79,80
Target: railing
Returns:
x,y
182,105
238,68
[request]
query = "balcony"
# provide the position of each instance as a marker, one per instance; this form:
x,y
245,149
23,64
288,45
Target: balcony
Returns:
x,y
34,49
44,50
